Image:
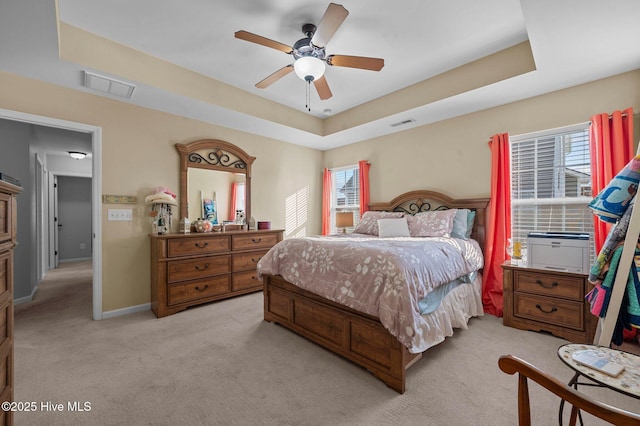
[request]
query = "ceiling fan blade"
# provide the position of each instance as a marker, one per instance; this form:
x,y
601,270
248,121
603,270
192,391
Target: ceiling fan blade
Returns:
x,y
274,77
331,20
372,64
254,38
322,87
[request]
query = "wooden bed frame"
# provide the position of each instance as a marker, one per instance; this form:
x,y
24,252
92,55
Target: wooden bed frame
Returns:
x,y
359,337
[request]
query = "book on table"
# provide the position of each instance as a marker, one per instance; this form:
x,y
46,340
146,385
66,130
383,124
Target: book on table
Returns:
x,y
594,359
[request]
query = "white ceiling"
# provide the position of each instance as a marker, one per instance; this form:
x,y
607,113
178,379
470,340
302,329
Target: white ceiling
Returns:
x,y
573,42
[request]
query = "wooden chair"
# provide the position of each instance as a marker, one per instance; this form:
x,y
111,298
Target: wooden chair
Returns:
x,y
511,365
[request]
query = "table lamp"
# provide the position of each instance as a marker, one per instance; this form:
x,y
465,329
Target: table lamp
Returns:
x,y
344,220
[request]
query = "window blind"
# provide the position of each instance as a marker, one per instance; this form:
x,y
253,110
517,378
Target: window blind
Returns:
x,y
551,182
345,194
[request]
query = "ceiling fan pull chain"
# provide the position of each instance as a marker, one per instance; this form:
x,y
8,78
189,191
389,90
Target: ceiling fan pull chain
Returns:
x,y
308,95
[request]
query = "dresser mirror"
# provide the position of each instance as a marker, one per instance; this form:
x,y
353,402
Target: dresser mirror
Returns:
x,y
208,167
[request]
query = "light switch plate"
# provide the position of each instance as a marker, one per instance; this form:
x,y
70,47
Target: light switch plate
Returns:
x,y
120,215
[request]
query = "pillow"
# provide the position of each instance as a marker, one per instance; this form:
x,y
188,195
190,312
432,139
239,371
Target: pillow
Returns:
x,y
393,227
437,223
459,229
463,224
369,222
471,217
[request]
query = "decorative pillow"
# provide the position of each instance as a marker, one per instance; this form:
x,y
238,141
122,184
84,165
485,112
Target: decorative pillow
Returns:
x,y
393,227
459,229
471,217
369,222
437,223
463,224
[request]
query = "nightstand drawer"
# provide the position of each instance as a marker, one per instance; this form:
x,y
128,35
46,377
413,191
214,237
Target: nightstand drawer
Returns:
x,y
549,285
548,310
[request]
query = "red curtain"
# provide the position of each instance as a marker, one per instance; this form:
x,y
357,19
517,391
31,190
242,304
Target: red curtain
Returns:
x,y
232,209
326,201
499,224
611,146
364,167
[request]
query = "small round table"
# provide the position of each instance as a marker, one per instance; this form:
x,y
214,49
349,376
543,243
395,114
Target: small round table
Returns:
x,y
627,382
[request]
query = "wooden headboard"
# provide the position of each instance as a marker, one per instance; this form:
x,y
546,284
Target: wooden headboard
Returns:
x,y
413,202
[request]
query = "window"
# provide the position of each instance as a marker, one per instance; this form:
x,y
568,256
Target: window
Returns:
x,y
345,196
551,182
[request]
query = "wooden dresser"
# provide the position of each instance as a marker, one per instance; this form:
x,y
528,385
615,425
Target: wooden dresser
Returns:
x,y
196,268
541,300
8,217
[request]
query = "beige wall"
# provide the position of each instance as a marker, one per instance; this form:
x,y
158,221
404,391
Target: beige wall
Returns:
x,y
138,153
453,156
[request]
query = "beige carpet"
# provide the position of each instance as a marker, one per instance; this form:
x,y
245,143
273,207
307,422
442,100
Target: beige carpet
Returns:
x,y
221,364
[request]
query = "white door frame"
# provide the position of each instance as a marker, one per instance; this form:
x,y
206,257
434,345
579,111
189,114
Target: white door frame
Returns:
x,y
40,196
96,188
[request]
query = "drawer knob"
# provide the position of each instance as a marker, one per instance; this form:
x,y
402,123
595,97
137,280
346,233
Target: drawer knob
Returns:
x,y
202,245
554,309
256,260
206,266
541,284
256,240
206,286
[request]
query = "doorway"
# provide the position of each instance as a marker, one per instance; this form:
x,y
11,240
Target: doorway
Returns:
x,y
96,188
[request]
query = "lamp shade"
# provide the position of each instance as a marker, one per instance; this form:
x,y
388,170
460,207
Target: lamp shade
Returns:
x,y
344,219
309,68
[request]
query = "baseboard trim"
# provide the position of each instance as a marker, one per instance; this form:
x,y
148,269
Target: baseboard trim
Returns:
x,y
126,311
80,259
27,298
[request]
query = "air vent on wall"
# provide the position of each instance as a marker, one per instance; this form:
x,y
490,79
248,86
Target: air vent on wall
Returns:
x,y
403,122
108,85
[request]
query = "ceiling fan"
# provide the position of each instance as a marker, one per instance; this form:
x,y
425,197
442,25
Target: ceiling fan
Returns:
x,y
309,52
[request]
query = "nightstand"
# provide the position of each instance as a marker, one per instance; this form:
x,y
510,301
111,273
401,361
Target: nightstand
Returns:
x,y
541,300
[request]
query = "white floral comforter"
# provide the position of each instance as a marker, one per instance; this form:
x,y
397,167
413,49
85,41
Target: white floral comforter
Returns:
x,y
384,277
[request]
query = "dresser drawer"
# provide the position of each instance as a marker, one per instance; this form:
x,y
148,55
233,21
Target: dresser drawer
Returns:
x,y
195,290
246,242
549,285
244,280
247,261
5,269
201,245
5,324
5,217
182,270
548,310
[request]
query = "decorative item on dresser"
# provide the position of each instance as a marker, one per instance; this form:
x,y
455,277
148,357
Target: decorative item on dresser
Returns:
x,y
8,227
364,337
192,269
542,300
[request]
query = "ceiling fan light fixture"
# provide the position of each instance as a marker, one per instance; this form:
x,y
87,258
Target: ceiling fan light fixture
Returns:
x,y
309,68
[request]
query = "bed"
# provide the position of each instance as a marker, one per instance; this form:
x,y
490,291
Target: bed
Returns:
x,y
380,334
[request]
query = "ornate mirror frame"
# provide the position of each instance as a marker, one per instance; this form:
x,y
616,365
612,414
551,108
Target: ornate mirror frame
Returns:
x,y
213,154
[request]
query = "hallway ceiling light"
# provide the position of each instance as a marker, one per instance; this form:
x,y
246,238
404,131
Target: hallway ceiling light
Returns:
x,y
77,155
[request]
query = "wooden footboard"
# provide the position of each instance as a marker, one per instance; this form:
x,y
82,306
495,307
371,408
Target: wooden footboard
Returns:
x,y
359,337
